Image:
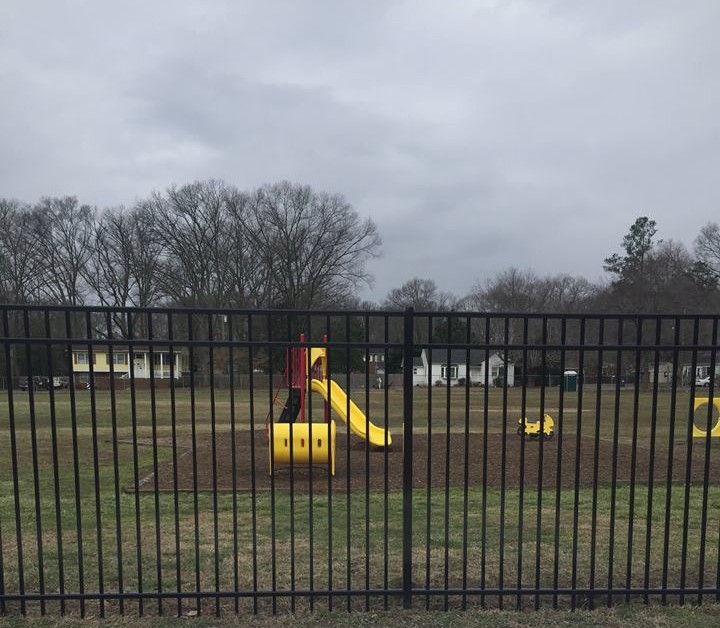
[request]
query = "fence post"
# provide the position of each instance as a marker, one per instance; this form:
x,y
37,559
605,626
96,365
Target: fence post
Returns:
x,y
407,455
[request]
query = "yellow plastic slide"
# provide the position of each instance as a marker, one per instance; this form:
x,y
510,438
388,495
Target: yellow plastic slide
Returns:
x,y
357,421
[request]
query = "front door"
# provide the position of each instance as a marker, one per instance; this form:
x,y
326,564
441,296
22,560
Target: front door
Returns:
x,y
139,365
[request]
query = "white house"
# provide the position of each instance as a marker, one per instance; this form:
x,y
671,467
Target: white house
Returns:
x,y
419,372
434,368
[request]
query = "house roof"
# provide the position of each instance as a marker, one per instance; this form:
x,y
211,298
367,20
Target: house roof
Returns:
x,y
98,347
417,361
123,348
459,356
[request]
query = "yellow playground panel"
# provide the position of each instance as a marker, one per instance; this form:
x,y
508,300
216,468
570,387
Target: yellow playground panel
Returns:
x,y
698,432
303,444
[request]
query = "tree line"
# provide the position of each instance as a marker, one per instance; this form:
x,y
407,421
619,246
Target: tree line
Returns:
x,y
203,244
287,246
648,275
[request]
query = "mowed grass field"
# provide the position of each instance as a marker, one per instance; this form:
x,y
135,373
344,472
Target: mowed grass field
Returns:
x,y
82,528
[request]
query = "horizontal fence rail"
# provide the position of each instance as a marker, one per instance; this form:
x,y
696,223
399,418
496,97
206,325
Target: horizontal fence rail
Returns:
x,y
183,461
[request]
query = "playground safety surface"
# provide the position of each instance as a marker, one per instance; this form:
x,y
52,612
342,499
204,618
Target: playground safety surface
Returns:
x,y
352,464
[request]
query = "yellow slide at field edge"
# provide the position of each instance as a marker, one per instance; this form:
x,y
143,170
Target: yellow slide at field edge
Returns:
x,y
357,421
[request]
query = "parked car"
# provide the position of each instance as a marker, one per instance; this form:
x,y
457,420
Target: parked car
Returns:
x,y
60,382
702,382
37,382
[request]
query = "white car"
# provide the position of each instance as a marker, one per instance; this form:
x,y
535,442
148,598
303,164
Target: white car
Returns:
x,y
702,382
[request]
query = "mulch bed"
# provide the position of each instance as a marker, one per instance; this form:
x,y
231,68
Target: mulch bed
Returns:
x,y
351,464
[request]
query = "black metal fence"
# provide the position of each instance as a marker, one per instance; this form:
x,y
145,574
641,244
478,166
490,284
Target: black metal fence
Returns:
x,y
464,485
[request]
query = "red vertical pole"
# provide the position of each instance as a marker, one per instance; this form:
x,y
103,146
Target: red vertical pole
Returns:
x,y
301,370
327,377
288,362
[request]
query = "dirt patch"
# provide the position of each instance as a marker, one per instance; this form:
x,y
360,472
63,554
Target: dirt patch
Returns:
x,y
365,467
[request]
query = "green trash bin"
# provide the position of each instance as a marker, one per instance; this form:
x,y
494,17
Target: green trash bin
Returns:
x,y
570,381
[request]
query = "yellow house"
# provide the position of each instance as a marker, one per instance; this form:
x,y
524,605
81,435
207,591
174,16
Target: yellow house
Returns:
x,y
123,358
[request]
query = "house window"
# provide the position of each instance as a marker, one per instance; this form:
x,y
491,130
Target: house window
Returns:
x,y
448,371
119,358
161,359
81,357
495,371
139,356
415,372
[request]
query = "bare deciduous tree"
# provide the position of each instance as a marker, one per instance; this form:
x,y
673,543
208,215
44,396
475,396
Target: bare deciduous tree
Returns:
x,y
192,224
515,290
146,255
707,250
314,244
123,270
124,267
669,285
19,258
64,232
249,277
421,294
509,291
109,272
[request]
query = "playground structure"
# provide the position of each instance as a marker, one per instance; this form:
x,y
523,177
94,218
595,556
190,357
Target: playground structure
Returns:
x,y
536,429
293,441
699,432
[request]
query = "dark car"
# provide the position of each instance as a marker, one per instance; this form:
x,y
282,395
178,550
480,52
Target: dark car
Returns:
x,y
36,382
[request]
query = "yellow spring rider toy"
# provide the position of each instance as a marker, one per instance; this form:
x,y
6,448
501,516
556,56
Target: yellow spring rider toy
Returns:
x,y
538,429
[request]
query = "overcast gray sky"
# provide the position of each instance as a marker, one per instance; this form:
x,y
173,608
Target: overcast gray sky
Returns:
x,y
477,134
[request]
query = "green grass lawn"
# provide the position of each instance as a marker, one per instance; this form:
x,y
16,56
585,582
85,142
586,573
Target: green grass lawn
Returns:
x,y
446,405
221,548
623,615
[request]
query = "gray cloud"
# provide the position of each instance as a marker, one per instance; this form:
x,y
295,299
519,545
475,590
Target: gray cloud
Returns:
x,y
478,135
